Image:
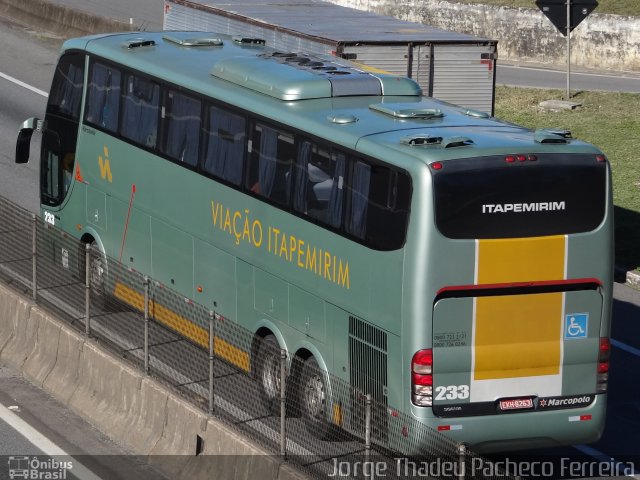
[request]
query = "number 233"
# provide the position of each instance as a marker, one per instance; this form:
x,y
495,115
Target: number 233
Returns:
x,y
452,392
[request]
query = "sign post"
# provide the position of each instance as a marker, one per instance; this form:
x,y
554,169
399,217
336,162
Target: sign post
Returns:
x,y
567,15
568,34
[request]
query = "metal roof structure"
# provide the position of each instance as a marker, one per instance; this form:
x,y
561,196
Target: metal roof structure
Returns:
x,y
329,22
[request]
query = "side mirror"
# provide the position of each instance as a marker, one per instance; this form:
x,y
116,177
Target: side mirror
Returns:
x,y
24,138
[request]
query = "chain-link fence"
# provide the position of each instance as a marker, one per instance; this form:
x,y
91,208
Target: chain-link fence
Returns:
x,y
288,405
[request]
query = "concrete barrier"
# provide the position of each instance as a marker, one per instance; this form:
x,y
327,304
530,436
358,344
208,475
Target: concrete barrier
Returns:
x,y
222,449
63,378
237,468
12,311
22,333
125,404
182,425
42,359
59,19
104,390
146,416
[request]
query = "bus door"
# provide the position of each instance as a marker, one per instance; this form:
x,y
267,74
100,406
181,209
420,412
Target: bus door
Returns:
x,y
60,130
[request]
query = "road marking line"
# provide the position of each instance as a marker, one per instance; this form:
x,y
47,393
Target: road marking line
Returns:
x,y
625,347
43,443
25,85
586,74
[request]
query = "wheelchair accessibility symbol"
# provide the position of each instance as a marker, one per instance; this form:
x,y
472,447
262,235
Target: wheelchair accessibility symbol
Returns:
x,y
575,325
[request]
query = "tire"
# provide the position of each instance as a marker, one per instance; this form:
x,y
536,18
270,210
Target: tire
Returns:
x,y
97,275
268,374
313,400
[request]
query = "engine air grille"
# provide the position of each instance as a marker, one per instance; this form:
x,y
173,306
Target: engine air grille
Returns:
x,y
368,373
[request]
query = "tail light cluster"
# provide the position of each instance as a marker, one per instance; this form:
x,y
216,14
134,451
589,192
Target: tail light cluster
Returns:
x,y
603,365
422,378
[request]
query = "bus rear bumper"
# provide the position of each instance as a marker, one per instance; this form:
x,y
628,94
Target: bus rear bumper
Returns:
x,y
518,431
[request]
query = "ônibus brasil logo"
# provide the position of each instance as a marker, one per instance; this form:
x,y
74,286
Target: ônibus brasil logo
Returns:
x,y
34,468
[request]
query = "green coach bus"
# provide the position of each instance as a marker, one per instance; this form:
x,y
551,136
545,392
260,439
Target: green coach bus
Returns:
x,y
457,265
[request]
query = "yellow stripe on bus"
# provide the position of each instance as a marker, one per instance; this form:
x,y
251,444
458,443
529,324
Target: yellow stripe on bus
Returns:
x,y
521,260
190,330
519,335
337,414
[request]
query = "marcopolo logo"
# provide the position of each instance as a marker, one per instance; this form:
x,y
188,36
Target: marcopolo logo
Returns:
x,y
565,402
35,468
523,207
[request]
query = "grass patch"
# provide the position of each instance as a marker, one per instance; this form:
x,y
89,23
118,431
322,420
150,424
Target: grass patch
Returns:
x,y
618,7
609,120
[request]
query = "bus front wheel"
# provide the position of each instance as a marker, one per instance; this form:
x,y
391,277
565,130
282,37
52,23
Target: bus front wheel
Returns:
x,y
97,268
314,401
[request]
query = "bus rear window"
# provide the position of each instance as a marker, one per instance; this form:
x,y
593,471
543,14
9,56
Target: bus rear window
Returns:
x,y
490,198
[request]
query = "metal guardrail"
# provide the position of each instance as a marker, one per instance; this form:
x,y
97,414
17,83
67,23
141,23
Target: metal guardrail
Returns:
x,y
220,367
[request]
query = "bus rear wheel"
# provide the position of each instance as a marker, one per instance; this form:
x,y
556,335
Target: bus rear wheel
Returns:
x,y
313,399
268,373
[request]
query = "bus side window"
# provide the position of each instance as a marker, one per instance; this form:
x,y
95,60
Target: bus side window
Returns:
x,y
270,163
226,144
66,91
318,183
103,103
140,110
182,128
378,205
359,199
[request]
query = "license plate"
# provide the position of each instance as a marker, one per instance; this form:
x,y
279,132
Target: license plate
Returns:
x,y
516,403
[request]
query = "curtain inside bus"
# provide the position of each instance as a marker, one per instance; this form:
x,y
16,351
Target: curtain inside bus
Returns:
x,y
359,199
140,115
183,128
226,145
103,106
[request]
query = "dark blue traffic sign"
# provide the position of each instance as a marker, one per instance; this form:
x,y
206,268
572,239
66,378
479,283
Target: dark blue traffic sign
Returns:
x,y
556,11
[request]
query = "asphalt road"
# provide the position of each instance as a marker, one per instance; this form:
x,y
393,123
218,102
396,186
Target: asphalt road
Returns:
x,y
33,61
556,77
30,60
39,434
